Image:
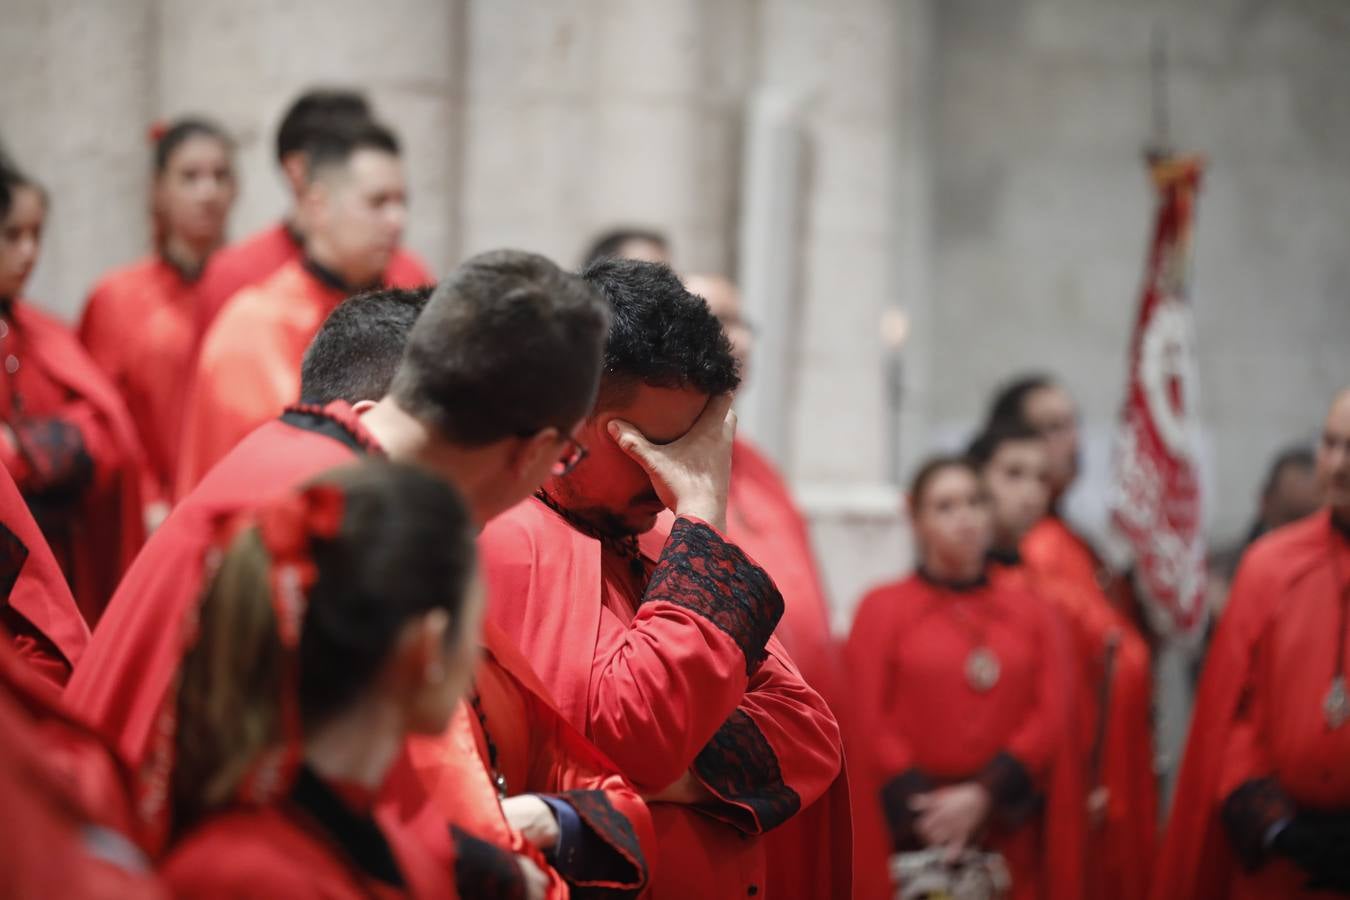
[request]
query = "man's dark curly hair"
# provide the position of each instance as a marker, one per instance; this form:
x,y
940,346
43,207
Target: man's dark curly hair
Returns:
x,y
659,335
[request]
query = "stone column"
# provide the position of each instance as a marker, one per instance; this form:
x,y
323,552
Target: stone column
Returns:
x,y
583,114
244,61
74,108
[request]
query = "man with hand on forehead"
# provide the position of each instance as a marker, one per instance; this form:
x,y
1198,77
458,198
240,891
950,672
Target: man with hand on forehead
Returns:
x,y
662,650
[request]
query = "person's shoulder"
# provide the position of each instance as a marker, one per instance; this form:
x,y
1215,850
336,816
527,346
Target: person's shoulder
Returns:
x,y
126,279
407,270
1290,548
888,594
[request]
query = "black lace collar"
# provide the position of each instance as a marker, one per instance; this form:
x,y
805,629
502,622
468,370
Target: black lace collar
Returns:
x,y
958,587
330,279
1006,556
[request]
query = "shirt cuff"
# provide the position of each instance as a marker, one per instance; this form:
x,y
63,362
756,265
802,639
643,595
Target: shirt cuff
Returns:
x,y
564,855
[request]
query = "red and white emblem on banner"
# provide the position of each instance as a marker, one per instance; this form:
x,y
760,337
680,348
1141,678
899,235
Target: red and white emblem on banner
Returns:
x,y
1156,497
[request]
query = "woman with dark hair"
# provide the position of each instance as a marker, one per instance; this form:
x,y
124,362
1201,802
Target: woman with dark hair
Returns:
x,y
957,671
139,323
65,436
342,619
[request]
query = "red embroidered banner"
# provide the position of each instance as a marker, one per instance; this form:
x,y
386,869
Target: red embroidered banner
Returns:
x,y
1156,497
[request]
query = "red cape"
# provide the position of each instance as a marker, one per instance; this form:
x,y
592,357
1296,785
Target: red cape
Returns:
x,y
51,634
1197,859
60,785
139,326
812,851
112,528
255,258
546,595
127,670
1121,852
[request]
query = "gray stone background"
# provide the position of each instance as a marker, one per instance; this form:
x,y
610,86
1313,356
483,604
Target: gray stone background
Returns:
x,y
975,163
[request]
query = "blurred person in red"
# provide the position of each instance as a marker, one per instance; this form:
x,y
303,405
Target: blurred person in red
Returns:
x,y
958,671
659,647
312,116
764,521
65,435
355,207
1262,804
140,319
1115,678
339,620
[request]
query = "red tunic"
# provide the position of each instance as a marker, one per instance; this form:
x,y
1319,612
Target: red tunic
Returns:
x,y
303,848
1258,714
812,851
139,324
249,367
69,419
670,671
929,726
65,801
1121,851
255,258
38,610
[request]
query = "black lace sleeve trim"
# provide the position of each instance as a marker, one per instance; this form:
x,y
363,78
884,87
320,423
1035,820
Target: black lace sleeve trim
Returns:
x,y
485,870
895,796
740,767
703,573
625,872
1011,789
1250,812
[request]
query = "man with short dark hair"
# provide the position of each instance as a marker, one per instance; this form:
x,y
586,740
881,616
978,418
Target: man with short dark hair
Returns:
x,y
1262,805
314,114
662,652
249,368
497,304
356,351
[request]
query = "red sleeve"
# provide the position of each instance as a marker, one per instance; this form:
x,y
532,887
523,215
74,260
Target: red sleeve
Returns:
x,y
662,684
776,754
73,448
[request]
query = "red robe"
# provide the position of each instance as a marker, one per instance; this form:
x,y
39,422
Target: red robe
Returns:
x,y
127,675
928,726
249,367
812,851
255,258
65,801
1258,715
95,529
670,671
1121,851
38,611
139,325
317,844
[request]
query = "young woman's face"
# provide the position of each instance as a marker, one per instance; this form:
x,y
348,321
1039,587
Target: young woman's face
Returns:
x,y
194,193
952,521
21,239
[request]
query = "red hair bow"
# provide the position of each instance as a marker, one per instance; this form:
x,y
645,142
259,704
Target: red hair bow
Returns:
x,y
156,131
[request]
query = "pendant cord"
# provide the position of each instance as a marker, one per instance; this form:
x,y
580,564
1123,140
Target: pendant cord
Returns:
x,y
498,779
1344,610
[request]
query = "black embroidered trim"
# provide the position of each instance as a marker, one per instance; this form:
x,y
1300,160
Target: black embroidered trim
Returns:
x,y
615,830
895,796
485,870
705,574
740,767
320,421
1319,844
13,555
358,835
1249,813
1010,787
57,457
